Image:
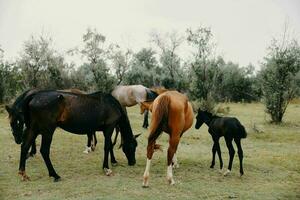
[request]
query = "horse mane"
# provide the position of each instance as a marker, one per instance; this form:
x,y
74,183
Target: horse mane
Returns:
x,y
20,100
159,90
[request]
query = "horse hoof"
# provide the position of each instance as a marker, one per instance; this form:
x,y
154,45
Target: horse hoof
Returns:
x,y
220,171
114,164
211,166
108,172
57,179
145,186
171,182
24,176
175,166
226,173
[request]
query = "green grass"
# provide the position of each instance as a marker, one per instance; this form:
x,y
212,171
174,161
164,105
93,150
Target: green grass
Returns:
x,y
271,164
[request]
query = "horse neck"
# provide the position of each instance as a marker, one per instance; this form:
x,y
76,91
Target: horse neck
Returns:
x,y
210,119
18,104
125,128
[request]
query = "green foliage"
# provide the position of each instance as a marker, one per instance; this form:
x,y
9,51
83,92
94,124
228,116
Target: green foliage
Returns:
x,y
96,54
41,65
144,69
279,77
121,63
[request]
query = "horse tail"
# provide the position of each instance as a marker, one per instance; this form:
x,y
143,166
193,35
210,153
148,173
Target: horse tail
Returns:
x,y
243,131
159,117
150,95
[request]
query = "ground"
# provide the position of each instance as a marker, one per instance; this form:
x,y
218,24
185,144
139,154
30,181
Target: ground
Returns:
x,y
271,164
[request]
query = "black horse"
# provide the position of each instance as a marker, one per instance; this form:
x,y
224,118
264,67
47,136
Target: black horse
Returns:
x,y
16,115
76,113
230,128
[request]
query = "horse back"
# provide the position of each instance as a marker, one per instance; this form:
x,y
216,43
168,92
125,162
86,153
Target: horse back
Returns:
x,y
225,126
178,111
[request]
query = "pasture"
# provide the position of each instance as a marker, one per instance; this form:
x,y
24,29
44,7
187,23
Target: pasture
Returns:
x,y
271,164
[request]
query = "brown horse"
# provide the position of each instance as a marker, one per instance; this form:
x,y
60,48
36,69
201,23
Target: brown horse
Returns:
x,y
75,113
173,114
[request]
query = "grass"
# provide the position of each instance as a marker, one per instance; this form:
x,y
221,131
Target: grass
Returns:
x,y
271,164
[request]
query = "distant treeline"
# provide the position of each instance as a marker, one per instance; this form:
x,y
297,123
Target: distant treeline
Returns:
x,y
105,65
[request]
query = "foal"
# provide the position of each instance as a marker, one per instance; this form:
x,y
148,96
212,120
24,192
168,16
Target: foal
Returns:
x,y
230,128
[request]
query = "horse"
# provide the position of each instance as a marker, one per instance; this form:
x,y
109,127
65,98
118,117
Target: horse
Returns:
x,y
15,112
145,106
173,114
130,95
231,129
75,113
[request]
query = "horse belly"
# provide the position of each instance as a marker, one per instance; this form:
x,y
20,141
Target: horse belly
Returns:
x,y
81,125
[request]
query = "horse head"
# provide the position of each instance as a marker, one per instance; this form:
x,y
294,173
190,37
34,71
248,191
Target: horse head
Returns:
x,y
202,117
129,148
146,105
16,120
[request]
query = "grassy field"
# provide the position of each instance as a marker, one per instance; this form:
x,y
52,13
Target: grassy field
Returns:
x,y
271,164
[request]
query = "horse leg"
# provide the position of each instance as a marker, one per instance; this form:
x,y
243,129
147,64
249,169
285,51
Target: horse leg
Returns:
x,y
150,151
88,147
214,150
240,153
45,151
116,136
231,154
112,156
175,161
107,149
33,150
27,142
146,124
173,143
94,141
219,154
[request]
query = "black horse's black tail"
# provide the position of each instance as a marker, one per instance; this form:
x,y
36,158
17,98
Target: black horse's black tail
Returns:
x,y
151,95
243,131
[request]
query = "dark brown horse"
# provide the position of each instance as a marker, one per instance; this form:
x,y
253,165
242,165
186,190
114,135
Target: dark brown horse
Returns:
x,y
16,115
229,127
75,113
173,114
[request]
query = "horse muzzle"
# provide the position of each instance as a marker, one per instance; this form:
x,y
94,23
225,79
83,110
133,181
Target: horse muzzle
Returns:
x,y
131,163
18,141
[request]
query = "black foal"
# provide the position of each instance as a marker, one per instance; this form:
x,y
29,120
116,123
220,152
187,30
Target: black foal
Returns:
x,y
230,128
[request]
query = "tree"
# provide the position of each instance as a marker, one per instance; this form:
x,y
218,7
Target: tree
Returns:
x,y
41,65
278,76
169,60
121,63
201,41
96,53
9,79
144,69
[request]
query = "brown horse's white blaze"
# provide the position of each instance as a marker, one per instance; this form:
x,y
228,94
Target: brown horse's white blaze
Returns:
x,y
173,114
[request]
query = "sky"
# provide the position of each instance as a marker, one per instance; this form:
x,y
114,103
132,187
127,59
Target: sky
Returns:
x,y
242,29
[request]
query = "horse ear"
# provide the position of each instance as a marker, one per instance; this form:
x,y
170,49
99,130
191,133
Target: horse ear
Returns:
x,y
8,108
136,136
